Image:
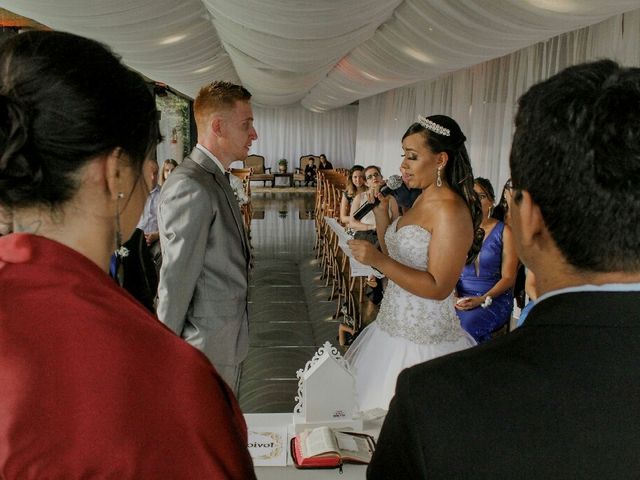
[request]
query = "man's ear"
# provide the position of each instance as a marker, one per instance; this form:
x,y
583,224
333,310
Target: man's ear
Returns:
x,y
216,125
532,224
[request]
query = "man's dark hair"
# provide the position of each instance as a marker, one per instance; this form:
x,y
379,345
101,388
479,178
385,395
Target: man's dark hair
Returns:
x,y
576,150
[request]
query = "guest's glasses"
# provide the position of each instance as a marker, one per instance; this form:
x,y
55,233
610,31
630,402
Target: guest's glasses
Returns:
x,y
372,175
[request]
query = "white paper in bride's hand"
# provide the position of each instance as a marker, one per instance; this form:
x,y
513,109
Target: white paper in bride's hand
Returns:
x,y
268,446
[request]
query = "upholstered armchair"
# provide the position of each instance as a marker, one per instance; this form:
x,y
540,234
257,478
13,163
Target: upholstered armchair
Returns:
x,y
260,172
298,176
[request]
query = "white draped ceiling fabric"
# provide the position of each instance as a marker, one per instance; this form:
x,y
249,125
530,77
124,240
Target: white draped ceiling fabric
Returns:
x,y
483,98
322,54
304,56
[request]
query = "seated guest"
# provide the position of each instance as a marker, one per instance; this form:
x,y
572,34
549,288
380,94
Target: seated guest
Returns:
x,y
149,219
143,283
501,213
324,163
167,167
484,290
557,397
92,385
355,185
310,172
365,228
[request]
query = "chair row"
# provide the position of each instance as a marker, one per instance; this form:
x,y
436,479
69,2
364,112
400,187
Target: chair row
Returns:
x,y
263,174
347,286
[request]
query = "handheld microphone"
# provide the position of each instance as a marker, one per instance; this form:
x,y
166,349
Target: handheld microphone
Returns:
x,y
393,182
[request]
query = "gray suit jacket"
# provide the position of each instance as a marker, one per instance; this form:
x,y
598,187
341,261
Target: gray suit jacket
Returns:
x,y
202,293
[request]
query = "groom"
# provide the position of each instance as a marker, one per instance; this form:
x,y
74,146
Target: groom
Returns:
x,y
202,293
557,398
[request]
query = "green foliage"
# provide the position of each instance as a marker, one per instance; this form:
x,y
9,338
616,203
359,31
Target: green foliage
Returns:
x,y
174,106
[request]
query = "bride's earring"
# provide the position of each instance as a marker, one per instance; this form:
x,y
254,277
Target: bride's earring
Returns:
x,y
439,179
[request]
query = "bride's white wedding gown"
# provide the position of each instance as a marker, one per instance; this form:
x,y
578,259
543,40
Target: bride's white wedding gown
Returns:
x,y
408,329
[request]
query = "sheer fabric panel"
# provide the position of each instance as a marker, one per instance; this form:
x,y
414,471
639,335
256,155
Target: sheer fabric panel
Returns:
x,y
295,131
483,99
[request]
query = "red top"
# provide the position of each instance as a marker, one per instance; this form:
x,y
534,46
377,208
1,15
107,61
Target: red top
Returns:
x,y
93,386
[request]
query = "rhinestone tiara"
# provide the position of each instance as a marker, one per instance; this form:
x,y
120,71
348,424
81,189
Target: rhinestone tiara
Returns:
x,y
433,126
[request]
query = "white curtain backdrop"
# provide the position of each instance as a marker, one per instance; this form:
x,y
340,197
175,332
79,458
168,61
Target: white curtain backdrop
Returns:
x,y
295,131
483,98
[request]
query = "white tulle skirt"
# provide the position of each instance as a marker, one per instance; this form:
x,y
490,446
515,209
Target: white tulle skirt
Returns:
x,y
376,359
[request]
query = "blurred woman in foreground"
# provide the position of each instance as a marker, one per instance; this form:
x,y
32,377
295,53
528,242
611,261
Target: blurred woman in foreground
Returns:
x,y
92,384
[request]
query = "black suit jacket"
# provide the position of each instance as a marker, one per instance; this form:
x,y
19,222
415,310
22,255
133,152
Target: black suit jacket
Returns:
x,y
140,275
557,398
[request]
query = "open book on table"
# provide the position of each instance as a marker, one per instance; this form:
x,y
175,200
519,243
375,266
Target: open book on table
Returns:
x,y
324,447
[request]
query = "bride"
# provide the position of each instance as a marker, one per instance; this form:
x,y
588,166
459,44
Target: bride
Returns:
x,y
423,253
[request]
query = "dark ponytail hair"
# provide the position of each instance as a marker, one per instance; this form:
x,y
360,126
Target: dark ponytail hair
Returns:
x,y
502,208
65,100
457,172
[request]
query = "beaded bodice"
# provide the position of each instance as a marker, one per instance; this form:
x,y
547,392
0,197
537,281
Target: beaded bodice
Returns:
x,y
402,314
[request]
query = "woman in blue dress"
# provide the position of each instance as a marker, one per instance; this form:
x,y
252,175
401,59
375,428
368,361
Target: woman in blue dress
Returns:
x,y
485,288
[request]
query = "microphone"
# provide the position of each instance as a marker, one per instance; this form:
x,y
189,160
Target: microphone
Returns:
x,y
393,183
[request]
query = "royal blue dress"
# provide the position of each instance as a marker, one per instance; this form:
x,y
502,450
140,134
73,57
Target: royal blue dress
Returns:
x,y
476,280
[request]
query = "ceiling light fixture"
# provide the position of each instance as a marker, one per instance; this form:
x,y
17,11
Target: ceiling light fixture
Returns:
x,y
417,55
172,39
203,69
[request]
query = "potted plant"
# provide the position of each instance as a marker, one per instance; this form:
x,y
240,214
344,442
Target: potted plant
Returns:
x,y
282,165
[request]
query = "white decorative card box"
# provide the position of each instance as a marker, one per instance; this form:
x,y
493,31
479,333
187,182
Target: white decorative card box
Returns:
x,y
326,393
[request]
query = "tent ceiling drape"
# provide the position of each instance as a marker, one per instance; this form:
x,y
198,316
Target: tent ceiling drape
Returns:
x,y
322,55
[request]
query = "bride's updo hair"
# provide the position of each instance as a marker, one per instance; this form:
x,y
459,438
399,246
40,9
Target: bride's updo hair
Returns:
x,y
64,100
458,173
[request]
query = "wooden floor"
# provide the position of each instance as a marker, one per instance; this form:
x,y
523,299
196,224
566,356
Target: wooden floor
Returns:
x,y
290,315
